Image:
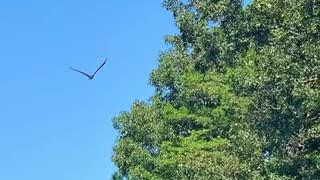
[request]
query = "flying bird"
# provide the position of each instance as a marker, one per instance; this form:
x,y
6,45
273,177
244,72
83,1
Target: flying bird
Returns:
x,y
90,76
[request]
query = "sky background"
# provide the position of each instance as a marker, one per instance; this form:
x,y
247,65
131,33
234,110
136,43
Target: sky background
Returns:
x,y
55,124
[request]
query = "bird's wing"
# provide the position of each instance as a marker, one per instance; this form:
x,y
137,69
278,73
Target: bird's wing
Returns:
x,y
80,72
100,67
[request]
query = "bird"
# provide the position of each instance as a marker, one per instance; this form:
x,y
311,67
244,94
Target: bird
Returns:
x,y
90,77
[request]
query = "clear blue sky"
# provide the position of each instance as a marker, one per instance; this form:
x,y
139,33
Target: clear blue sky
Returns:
x,y
54,123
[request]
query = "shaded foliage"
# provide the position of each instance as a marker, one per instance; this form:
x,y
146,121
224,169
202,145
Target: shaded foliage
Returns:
x,y
237,96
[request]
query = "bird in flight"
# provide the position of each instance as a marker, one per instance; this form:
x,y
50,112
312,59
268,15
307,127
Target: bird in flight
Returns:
x,y
90,76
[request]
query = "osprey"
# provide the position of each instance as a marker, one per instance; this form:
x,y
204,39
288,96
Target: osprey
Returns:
x,y
90,76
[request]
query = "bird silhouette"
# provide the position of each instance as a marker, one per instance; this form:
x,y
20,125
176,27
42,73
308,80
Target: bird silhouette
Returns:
x,y
91,76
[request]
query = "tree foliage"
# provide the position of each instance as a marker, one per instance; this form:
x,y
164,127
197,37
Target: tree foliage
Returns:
x,y
237,96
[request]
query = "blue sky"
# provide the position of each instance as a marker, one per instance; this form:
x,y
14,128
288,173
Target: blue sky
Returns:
x,y
55,123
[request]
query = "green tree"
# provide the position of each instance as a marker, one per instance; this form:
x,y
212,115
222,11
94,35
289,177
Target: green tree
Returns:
x,y
237,96
117,176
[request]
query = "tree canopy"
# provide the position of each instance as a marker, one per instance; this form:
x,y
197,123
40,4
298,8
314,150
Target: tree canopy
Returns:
x,y
237,96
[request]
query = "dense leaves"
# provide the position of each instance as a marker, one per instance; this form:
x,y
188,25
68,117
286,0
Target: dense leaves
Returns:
x,y
237,96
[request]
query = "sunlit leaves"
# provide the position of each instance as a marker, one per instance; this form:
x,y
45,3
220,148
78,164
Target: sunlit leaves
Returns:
x,y
237,96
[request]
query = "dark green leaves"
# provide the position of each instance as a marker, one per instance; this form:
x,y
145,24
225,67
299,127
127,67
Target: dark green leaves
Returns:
x,y
237,96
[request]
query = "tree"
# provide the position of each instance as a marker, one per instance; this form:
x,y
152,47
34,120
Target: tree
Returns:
x,y
117,176
237,96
